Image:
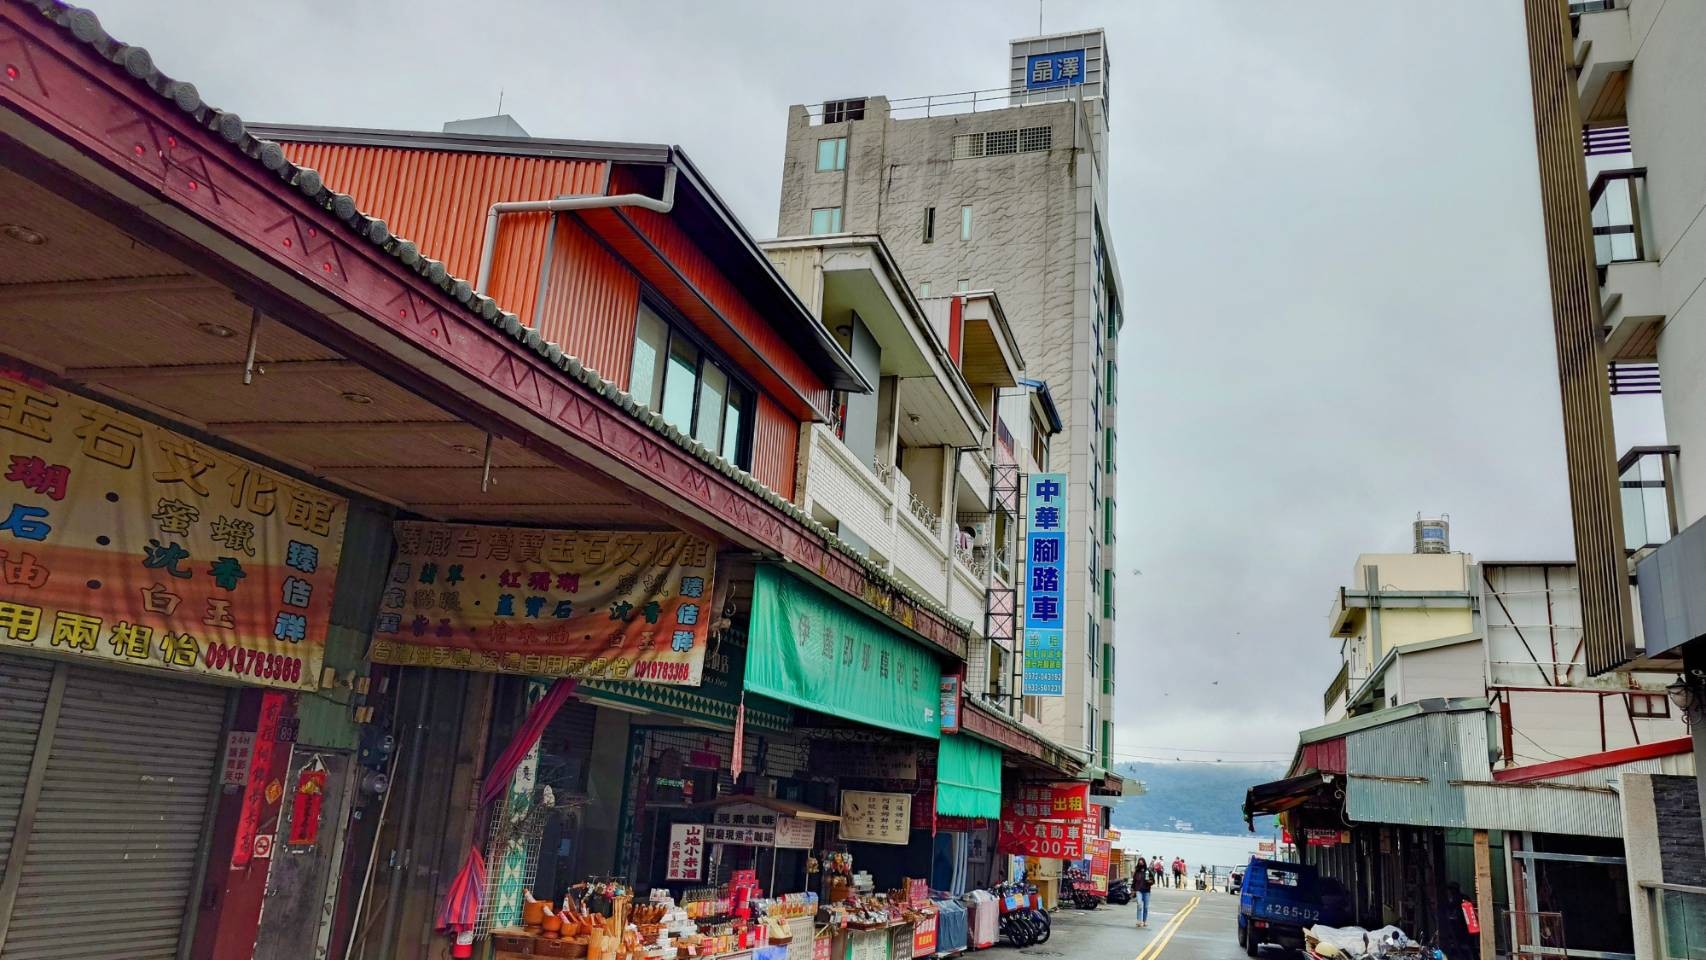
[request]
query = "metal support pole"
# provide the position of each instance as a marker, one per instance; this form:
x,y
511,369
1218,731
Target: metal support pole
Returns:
x,y
254,342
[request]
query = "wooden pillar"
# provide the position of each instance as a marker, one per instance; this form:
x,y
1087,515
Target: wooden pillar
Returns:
x,y
1484,894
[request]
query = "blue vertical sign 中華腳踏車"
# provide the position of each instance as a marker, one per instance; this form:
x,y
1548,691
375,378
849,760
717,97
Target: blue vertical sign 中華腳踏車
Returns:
x,y
1045,585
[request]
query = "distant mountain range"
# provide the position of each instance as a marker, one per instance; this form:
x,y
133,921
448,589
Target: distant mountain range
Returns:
x,y
1209,797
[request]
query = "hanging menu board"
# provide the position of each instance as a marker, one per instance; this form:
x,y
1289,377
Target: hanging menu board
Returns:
x,y
868,817
686,851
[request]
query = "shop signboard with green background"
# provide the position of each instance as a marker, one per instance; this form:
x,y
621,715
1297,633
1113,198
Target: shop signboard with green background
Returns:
x,y
809,649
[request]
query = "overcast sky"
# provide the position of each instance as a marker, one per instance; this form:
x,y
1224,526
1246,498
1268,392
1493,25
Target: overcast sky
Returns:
x,y
1325,214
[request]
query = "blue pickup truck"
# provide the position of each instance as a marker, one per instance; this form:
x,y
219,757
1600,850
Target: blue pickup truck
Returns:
x,y
1278,901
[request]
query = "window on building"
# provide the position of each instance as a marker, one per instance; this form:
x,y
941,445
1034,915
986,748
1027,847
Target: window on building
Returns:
x,y
997,142
1095,641
1648,706
696,394
680,374
826,220
832,154
841,111
1107,744
1110,440
929,224
962,285
1035,138
924,289
996,682
1108,520
1108,594
1092,726
645,373
965,222
1112,370
1108,669
967,146
1039,445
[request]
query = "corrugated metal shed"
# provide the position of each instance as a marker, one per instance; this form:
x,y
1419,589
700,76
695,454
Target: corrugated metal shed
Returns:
x,y
439,198
1433,769
1327,756
1544,808
1408,772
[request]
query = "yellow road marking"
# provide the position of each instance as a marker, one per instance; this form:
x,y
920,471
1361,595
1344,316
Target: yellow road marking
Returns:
x,y
1152,950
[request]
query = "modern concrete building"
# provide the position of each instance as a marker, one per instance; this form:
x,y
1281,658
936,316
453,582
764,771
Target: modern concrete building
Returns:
x,y
1466,741
1004,190
1620,134
1394,600
904,473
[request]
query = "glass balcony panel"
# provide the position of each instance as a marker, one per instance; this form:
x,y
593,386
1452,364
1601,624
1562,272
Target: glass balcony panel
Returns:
x,y
1646,495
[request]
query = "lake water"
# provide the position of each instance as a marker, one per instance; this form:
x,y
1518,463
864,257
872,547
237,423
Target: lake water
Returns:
x,y
1196,848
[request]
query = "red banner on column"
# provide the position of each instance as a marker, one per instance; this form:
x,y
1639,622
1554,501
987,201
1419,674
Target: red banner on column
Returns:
x,y
1101,854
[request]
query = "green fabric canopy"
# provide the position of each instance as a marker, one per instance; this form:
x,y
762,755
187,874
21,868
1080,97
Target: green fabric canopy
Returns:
x,y
809,649
968,778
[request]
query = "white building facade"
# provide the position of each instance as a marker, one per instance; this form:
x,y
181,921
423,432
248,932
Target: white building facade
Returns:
x,y
1005,190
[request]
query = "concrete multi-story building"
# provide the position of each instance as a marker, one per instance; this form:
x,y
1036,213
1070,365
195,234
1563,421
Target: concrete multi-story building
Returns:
x,y
1620,131
1005,190
1467,742
903,473
1393,601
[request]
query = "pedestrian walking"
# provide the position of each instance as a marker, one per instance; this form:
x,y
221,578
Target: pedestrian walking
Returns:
x,y
1141,881
1179,872
1155,872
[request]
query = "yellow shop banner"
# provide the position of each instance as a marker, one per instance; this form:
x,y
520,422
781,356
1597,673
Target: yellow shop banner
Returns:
x,y
124,541
593,604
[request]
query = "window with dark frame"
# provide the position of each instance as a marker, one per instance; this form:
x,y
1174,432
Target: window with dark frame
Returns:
x,y
929,224
841,111
1649,706
695,392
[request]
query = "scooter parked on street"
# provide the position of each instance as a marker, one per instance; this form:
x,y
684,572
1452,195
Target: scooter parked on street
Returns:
x,y
1023,923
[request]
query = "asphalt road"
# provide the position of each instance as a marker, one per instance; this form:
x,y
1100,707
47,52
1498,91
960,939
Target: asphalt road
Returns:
x,y
1183,925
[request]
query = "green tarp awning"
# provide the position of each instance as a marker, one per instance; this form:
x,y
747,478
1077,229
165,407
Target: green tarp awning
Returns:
x,y
809,649
968,778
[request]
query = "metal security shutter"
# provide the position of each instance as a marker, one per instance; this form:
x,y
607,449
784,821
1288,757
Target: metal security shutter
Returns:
x,y
113,855
23,695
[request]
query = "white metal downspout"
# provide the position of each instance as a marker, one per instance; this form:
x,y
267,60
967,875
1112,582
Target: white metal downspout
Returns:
x,y
663,204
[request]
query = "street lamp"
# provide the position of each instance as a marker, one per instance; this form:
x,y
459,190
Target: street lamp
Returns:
x,y
1688,692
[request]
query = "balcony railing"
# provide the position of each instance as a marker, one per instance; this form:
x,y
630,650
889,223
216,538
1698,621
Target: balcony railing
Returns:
x,y
924,513
1619,199
883,471
1646,477
1678,916
1338,688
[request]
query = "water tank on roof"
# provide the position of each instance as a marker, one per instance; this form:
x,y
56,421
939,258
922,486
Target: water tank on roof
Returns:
x,y
1433,534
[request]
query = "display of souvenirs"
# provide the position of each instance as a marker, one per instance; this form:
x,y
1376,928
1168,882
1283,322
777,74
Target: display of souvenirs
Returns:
x,y
576,930
865,913
788,906
702,903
